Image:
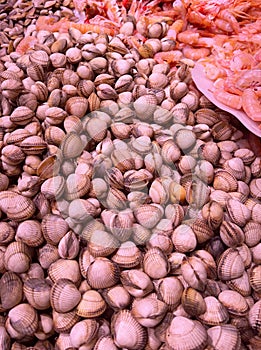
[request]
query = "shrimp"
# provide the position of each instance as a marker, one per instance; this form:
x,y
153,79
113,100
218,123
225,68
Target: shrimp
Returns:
x,y
249,79
195,53
171,57
49,24
228,16
175,28
25,44
251,105
242,60
213,72
228,99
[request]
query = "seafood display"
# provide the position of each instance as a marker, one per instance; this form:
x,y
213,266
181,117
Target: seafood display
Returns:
x,y
129,201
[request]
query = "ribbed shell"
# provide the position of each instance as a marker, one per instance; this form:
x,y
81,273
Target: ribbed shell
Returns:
x,y
148,215
16,206
230,265
37,292
72,145
155,263
63,268
84,332
241,284
185,334
234,302
54,227
127,332
216,313
224,337
91,305
192,302
128,255
63,322
24,319
64,295
254,317
102,244
102,273
11,290
17,257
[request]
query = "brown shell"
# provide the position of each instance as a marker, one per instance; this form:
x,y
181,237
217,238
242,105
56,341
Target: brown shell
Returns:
x,y
11,290
37,292
64,295
24,319
91,305
63,268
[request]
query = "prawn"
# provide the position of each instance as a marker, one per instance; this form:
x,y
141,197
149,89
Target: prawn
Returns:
x,y
228,99
251,105
26,44
175,29
249,79
171,57
228,16
49,24
195,53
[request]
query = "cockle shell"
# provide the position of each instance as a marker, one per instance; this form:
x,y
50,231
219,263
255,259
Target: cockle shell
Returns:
x,y
64,295
184,238
37,292
230,265
155,263
254,317
24,319
16,206
234,302
17,257
186,334
128,255
11,290
145,106
136,282
215,314
194,273
221,335
149,310
231,234
91,305
63,322
117,297
84,333
102,273
65,269
169,290
192,302
127,332
148,215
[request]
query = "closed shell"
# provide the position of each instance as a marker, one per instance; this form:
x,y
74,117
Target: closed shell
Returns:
x,y
102,273
155,263
230,265
64,295
221,336
215,314
234,302
192,302
185,334
24,319
91,305
11,290
127,332
37,292
17,257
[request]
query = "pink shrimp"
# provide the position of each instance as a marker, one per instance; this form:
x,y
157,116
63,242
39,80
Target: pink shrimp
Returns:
x,y
49,24
242,60
25,44
249,79
175,29
171,57
195,53
251,105
228,16
228,99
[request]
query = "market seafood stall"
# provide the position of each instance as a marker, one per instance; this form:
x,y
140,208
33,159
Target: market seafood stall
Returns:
x,y
129,196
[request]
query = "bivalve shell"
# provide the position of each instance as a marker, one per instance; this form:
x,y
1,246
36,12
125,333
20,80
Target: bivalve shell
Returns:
x,y
230,265
64,295
221,336
11,290
155,263
24,319
216,313
186,334
234,302
91,305
37,293
127,332
102,273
